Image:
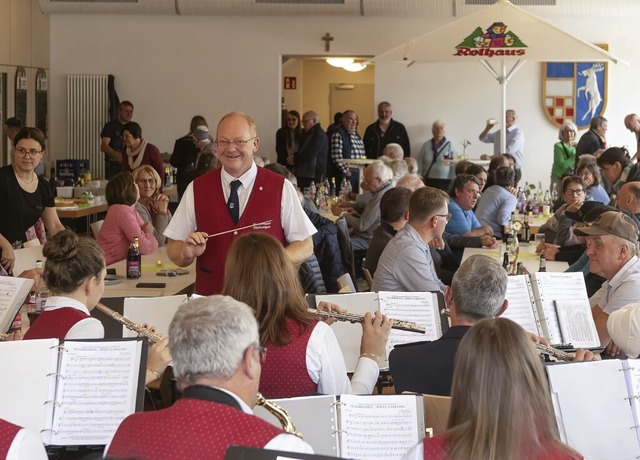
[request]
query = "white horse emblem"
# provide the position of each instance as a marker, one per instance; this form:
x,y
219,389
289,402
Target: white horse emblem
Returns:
x,y
590,88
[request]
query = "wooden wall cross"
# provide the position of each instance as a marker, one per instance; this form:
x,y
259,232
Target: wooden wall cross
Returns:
x,y
327,39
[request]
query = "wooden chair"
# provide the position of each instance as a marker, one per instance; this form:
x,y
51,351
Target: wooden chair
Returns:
x,y
436,412
368,277
95,227
345,283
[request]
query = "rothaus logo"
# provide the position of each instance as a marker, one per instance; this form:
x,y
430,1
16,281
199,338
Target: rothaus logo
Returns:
x,y
494,41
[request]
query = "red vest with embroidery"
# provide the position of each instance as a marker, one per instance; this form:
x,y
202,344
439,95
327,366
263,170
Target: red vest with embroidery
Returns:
x,y
213,217
8,432
284,372
191,428
55,324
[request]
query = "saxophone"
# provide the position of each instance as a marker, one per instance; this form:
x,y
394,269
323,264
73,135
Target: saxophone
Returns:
x,y
280,413
141,330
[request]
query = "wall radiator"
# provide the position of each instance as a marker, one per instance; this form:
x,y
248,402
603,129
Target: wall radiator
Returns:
x,y
87,112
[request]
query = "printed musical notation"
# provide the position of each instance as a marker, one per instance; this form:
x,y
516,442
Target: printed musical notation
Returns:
x,y
520,309
94,390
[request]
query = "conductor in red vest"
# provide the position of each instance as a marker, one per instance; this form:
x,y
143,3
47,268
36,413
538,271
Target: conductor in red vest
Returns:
x,y
217,360
226,203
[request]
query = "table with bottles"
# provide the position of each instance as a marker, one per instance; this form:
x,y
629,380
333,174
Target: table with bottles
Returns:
x,y
526,254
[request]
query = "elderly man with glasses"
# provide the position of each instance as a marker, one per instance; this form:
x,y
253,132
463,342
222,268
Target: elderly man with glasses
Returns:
x,y
220,206
217,360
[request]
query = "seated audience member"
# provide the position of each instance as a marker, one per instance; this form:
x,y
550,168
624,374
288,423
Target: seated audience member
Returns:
x,y
611,246
434,159
399,168
411,181
394,213
304,350
393,151
590,175
206,162
17,443
623,326
461,167
617,168
497,203
412,165
74,272
377,180
477,292
629,198
153,205
479,173
558,230
123,222
217,361
564,154
500,404
138,151
494,164
405,264
464,194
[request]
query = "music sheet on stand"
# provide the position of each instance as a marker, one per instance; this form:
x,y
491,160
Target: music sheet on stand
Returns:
x,y
520,309
418,307
96,391
377,427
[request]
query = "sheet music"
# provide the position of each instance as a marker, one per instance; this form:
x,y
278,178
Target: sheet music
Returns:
x,y
96,390
384,427
13,291
155,311
520,309
419,307
576,324
552,287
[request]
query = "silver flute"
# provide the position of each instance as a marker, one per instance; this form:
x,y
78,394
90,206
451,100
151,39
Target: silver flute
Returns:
x,y
354,318
139,328
555,352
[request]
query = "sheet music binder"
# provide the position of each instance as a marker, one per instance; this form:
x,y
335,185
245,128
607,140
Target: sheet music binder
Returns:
x,y
13,292
597,406
555,306
423,308
350,425
73,392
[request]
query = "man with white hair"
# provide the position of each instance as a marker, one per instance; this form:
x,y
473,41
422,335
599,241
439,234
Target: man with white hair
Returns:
x,y
217,361
311,159
411,181
514,139
393,151
383,131
611,246
377,180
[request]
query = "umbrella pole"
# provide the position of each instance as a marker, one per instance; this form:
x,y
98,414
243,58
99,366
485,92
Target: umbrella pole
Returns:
x,y
504,79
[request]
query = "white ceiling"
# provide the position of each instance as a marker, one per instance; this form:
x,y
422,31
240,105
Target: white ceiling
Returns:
x,y
367,8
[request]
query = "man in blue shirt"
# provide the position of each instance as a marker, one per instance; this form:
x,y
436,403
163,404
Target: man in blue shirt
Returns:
x,y
464,194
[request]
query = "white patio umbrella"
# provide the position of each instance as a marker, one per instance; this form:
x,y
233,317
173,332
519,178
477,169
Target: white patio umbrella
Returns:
x,y
502,37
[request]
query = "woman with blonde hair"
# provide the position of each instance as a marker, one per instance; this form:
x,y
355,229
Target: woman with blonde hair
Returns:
x,y
564,154
500,401
303,355
153,205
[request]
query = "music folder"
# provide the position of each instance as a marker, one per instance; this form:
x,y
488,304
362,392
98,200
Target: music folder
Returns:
x,y
256,453
355,426
72,392
422,308
554,306
13,291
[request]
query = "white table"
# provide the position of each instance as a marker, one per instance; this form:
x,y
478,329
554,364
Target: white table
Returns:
x,y
527,256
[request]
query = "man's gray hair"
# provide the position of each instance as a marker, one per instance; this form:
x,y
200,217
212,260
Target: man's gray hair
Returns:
x,y
381,171
396,150
479,287
208,337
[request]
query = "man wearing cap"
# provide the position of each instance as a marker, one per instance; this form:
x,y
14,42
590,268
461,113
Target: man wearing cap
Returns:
x,y
611,246
226,203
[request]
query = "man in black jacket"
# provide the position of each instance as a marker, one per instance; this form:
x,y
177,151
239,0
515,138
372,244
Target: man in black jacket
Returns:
x,y
311,159
385,130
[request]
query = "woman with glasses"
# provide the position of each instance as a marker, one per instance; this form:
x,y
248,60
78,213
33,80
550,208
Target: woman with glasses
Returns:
x,y
288,139
25,198
558,230
152,204
303,355
123,223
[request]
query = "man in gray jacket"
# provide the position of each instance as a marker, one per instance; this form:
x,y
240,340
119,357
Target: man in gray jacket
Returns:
x,y
311,159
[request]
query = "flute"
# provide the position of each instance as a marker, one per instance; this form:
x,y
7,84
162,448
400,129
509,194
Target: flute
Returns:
x,y
139,328
3,337
353,318
555,352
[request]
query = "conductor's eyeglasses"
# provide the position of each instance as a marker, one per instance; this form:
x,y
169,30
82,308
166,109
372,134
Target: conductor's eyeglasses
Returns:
x,y
224,143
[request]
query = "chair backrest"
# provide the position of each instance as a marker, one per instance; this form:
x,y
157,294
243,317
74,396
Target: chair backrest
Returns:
x,y
96,226
348,261
345,283
368,277
26,258
436,412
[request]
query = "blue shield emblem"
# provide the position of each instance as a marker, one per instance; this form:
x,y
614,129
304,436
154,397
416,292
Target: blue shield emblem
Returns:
x,y
575,91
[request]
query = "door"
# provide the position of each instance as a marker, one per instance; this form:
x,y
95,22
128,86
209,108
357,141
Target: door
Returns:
x,y
354,96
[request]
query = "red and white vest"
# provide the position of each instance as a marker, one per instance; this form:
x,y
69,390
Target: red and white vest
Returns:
x,y
213,217
55,324
284,372
191,428
8,432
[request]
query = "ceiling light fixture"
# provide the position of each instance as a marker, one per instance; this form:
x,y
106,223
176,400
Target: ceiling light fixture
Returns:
x,y
346,63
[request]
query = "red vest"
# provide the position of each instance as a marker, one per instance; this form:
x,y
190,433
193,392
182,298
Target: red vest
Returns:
x,y
191,428
284,372
8,432
213,217
54,324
